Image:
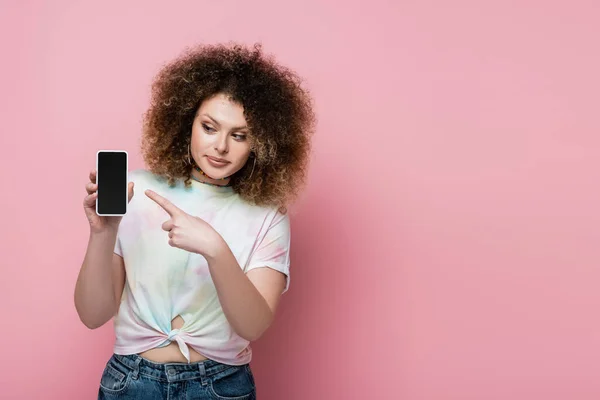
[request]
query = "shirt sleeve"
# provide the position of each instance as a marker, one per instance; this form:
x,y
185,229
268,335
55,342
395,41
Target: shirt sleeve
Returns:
x,y
135,177
273,251
118,249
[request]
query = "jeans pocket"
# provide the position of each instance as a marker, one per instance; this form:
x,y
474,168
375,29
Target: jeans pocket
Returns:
x,y
235,383
114,378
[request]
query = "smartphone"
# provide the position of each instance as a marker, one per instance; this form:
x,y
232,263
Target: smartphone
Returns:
x,y
111,178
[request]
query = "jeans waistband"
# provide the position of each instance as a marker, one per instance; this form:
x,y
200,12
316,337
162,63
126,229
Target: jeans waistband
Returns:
x,y
172,371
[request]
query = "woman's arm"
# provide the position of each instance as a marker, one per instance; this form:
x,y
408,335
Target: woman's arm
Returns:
x,y
248,300
100,282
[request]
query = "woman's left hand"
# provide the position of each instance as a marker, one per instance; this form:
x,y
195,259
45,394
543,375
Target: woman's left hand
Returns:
x,y
186,231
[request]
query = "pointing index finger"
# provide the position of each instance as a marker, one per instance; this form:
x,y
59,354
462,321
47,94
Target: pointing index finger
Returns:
x,y
169,207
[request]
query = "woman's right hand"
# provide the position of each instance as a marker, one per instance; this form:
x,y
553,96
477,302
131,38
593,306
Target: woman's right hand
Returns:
x,y
100,223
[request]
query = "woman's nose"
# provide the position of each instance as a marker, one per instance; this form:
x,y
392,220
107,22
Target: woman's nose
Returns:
x,y
221,144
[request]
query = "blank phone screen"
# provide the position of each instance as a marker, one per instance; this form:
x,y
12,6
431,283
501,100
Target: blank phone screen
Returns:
x,y
112,182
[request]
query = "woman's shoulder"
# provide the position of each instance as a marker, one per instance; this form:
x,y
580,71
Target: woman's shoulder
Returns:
x,y
271,214
145,177
139,174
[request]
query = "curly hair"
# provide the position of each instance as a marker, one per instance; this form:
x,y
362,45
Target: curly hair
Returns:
x,y
278,111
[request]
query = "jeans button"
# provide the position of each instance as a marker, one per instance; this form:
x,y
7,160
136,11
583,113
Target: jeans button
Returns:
x,y
171,372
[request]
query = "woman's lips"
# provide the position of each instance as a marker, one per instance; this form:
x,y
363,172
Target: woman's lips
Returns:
x,y
215,162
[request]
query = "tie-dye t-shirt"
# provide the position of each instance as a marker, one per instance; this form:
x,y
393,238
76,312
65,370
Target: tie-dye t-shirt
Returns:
x,y
163,282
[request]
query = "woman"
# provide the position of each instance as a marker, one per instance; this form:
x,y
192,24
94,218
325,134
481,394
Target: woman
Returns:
x,y
194,271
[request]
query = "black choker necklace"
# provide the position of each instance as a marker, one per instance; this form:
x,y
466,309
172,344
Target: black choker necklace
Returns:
x,y
197,168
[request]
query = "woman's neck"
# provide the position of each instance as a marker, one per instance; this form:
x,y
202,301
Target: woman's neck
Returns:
x,y
200,177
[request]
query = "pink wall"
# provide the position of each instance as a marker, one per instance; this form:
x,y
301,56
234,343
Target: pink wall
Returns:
x,y
447,246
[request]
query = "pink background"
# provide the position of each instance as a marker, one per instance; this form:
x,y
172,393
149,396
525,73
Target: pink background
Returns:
x,y
447,244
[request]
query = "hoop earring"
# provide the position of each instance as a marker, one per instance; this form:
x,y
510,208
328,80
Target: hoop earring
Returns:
x,y
253,165
189,158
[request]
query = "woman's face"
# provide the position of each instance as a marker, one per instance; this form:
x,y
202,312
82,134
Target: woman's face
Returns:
x,y
220,139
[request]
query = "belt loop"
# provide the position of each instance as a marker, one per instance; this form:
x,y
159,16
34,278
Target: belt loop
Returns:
x,y
202,369
136,368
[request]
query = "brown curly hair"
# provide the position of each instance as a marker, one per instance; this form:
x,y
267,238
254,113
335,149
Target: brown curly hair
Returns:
x,y
277,109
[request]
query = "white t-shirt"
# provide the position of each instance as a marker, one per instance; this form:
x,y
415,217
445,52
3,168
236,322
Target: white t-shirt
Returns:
x,y
163,282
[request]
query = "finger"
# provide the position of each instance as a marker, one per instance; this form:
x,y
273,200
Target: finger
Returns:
x,y
168,225
93,176
91,188
90,200
169,207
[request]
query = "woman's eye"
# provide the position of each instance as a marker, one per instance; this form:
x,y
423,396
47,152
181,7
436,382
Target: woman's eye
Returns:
x,y
207,128
239,137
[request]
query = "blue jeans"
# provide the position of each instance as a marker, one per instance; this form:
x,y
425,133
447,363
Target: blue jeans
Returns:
x,y
135,378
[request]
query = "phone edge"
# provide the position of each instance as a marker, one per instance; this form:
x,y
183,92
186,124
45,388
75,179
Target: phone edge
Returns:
x,y
126,181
